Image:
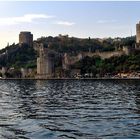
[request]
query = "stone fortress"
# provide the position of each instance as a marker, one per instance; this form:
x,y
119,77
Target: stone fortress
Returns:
x,y
45,61
46,57
70,60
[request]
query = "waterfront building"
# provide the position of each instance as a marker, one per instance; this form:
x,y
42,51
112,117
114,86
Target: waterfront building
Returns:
x,y
24,72
3,71
26,38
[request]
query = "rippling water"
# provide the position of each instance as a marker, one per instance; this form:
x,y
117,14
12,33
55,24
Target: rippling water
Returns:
x,y
69,109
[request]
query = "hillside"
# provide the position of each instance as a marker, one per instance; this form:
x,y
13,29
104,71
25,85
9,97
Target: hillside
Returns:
x,y
17,57
74,45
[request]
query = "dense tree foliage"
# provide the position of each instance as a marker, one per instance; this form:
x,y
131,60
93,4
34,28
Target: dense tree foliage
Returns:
x,y
17,57
74,45
113,65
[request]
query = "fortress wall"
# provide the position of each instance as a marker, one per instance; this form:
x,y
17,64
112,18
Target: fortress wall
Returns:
x,y
103,55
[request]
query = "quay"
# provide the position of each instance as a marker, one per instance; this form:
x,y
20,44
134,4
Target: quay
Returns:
x,y
69,78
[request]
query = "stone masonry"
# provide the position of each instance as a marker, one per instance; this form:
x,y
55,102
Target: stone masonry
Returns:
x,y
45,63
26,38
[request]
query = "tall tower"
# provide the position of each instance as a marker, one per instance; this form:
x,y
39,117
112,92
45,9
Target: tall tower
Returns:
x,y
138,33
45,63
26,38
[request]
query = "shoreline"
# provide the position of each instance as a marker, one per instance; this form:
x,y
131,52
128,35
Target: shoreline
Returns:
x,y
69,78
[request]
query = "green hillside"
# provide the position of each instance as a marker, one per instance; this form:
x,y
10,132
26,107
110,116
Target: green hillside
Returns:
x,y
17,57
24,56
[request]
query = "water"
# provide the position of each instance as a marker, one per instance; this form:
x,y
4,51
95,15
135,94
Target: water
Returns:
x,y
69,109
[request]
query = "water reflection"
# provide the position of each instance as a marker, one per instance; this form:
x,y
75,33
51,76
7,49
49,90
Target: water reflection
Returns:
x,y
69,109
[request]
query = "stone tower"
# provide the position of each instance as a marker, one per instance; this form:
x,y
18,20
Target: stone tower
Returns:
x,y
138,33
45,63
26,38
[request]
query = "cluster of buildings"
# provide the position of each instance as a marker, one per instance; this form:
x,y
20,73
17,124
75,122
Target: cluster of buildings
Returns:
x,y
13,73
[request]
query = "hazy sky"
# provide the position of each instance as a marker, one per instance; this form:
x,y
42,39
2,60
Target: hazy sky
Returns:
x,y
79,19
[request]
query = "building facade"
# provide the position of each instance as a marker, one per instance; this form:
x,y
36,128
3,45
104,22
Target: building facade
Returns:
x,y
26,38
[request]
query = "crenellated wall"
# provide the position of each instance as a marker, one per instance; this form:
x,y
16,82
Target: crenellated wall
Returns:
x,y
70,60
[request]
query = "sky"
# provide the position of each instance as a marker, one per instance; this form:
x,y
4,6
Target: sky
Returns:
x,y
81,19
